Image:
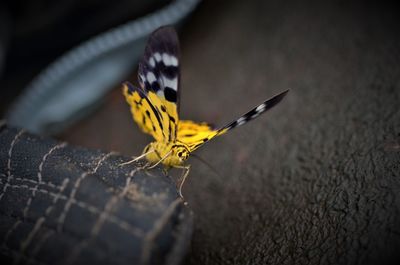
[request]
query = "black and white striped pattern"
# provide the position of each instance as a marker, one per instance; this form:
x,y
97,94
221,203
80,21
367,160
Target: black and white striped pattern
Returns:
x,y
159,67
254,113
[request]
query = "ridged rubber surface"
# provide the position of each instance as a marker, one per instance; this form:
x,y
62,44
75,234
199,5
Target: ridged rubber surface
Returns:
x,y
61,204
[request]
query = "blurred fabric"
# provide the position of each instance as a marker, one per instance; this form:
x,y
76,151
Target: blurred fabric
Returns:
x,y
71,86
40,31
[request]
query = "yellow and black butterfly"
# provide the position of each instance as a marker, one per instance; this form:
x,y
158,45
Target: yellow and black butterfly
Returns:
x,y
155,105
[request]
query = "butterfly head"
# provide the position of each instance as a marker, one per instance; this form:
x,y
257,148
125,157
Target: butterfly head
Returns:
x,y
180,152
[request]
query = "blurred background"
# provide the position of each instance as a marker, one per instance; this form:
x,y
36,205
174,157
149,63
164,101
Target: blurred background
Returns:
x,y
315,180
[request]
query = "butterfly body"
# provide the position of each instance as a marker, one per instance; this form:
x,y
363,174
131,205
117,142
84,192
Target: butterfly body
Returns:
x,y
175,153
155,104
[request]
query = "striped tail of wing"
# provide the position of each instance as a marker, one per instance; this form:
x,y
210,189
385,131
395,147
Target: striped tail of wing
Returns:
x,y
254,113
195,135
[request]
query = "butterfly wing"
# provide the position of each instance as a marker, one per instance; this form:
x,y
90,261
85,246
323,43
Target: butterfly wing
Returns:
x,y
159,77
143,111
195,135
154,105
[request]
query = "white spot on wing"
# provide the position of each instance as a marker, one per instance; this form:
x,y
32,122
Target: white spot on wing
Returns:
x,y
255,115
261,108
174,60
166,59
152,62
150,77
241,121
157,56
169,60
172,83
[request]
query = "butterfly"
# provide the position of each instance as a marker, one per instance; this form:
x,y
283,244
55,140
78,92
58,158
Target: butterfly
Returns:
x,y
155,105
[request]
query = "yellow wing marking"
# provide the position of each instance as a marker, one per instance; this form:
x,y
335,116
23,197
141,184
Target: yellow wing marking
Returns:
x,y
194,134
168,113
154,115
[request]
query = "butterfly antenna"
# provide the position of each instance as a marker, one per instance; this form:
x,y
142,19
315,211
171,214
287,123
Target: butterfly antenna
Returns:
x,y
207,164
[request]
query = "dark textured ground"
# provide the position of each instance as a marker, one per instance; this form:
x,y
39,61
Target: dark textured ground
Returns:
x,y
316,180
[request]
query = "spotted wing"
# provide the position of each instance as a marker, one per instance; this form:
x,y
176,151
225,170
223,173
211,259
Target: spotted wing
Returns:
x,y
195,135
144,112
159,77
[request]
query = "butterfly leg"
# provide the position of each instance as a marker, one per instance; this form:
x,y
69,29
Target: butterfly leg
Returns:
x,y
184,176
136,158
145,166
